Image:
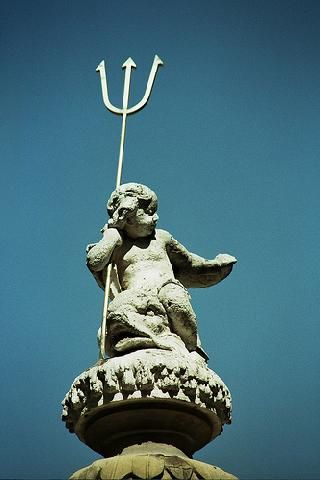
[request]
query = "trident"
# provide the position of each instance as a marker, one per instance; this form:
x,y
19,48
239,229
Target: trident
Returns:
x,y
124,111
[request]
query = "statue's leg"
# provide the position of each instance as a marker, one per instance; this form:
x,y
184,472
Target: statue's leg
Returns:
x,y
176,301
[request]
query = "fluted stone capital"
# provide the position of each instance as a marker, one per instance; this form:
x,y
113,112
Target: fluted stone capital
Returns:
x,y
149,466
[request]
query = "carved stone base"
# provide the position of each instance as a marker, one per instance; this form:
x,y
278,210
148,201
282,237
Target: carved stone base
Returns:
x,y
148,397
148,374
148,461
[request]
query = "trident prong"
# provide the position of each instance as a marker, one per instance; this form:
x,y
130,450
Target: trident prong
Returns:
x,y
128,64
124,111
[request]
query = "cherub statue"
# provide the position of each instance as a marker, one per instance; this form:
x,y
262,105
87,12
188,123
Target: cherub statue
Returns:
x,y
151,305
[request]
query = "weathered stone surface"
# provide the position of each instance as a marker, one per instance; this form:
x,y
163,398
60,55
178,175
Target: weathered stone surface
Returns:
x,y
148,373
151,273
156,388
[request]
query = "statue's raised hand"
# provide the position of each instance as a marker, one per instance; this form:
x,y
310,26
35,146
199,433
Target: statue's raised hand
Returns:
x,y
224,259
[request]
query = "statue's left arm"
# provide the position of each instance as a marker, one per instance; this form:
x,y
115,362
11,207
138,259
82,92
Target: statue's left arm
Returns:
x,y
195,271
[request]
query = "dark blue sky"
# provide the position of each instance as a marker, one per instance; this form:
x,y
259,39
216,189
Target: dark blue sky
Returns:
x,y
230,142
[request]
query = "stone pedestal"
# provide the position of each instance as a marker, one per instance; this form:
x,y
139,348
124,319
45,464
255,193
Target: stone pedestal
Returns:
x,y
148,412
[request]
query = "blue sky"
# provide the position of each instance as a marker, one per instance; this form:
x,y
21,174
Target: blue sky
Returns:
x,y
230,143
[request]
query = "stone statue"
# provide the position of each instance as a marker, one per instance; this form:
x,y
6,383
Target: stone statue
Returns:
x,y
155,401
151,305
150,406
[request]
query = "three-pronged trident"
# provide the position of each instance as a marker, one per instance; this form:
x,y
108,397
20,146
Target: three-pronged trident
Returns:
x,y
124,111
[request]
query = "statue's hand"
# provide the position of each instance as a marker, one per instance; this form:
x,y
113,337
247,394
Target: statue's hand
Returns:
x,y
225,259
110,232
99,255
91,245
111,235
104,229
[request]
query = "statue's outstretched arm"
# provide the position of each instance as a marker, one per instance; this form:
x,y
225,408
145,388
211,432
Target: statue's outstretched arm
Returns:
x,y
99,255
195,271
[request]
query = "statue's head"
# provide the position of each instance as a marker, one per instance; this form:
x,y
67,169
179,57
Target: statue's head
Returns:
x,y
132,208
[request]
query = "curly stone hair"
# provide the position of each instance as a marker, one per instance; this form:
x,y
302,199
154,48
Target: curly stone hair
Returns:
x,y
126,200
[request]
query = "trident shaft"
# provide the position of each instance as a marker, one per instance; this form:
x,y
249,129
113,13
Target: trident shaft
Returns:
x,y
124,111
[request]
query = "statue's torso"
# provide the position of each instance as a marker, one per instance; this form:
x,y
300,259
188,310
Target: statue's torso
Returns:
x,y
143,262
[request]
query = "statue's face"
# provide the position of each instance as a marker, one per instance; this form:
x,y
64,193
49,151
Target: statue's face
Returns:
x,y
141,223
